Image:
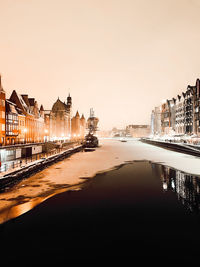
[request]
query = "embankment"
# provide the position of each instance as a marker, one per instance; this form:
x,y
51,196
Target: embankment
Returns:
x,y
20,173
178,147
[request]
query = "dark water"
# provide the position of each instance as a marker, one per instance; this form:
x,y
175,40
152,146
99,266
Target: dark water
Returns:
x,y
139,211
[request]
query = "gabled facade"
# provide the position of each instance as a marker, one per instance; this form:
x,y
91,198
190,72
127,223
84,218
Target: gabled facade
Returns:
x,y
34,118
12,123
189,108
180,115
196,108
166,118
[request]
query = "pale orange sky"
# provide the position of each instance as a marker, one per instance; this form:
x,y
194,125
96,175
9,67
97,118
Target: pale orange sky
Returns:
x,y
121,57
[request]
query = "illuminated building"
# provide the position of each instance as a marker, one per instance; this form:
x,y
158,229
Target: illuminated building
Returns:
x,y
2,114
180,115
82,126
156,121
137,130
12,123
22,127
34,118
165,118
60,119
188,105
47,125
76,125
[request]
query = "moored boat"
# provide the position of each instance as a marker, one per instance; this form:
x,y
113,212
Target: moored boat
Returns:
x,y
91,140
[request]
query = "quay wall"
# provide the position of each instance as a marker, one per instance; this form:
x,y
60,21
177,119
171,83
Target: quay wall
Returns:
x,y
15,176
178,147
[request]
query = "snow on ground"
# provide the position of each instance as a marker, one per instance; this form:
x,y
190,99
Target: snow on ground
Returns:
x,y
72,170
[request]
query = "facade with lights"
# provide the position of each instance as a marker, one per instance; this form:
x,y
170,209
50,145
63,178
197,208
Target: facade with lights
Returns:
x,y
22,121
180,116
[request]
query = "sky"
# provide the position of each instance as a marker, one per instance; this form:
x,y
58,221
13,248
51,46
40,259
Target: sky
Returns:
x,y
121,57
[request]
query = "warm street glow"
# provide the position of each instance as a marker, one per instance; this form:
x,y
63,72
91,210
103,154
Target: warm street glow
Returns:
x,y
100,132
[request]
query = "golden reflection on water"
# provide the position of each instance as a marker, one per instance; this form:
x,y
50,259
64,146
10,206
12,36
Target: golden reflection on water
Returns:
x,y
21,208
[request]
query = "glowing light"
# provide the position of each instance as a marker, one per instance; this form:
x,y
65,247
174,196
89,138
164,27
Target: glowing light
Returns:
x,y
173,185
165,186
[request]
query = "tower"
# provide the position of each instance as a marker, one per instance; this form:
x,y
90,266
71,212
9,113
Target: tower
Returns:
x,y
69,112
82,126
69,100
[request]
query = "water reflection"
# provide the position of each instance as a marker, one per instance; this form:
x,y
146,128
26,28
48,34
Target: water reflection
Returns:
x,y
24,205
186,186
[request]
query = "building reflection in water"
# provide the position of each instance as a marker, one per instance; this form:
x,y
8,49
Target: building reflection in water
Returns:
x,y
186,186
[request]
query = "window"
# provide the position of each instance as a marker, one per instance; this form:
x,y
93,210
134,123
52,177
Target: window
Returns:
x,y
3,127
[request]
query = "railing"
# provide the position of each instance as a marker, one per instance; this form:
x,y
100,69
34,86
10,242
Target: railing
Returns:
x,y
18,163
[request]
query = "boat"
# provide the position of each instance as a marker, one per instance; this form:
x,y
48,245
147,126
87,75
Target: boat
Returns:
x,y
91,141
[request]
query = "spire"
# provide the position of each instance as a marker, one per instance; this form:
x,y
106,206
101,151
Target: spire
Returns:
x,y
77,114
41,108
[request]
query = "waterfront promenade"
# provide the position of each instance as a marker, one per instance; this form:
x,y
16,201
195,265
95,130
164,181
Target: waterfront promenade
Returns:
x,y
185,148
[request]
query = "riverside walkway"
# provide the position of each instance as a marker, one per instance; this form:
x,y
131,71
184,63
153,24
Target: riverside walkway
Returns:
x,y
27,168
178,147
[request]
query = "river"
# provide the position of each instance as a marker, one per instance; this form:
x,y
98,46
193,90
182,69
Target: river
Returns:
x,y
123,201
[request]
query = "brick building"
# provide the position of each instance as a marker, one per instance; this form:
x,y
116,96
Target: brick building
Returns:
x,y
2,114
34,118
76,125
12,123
